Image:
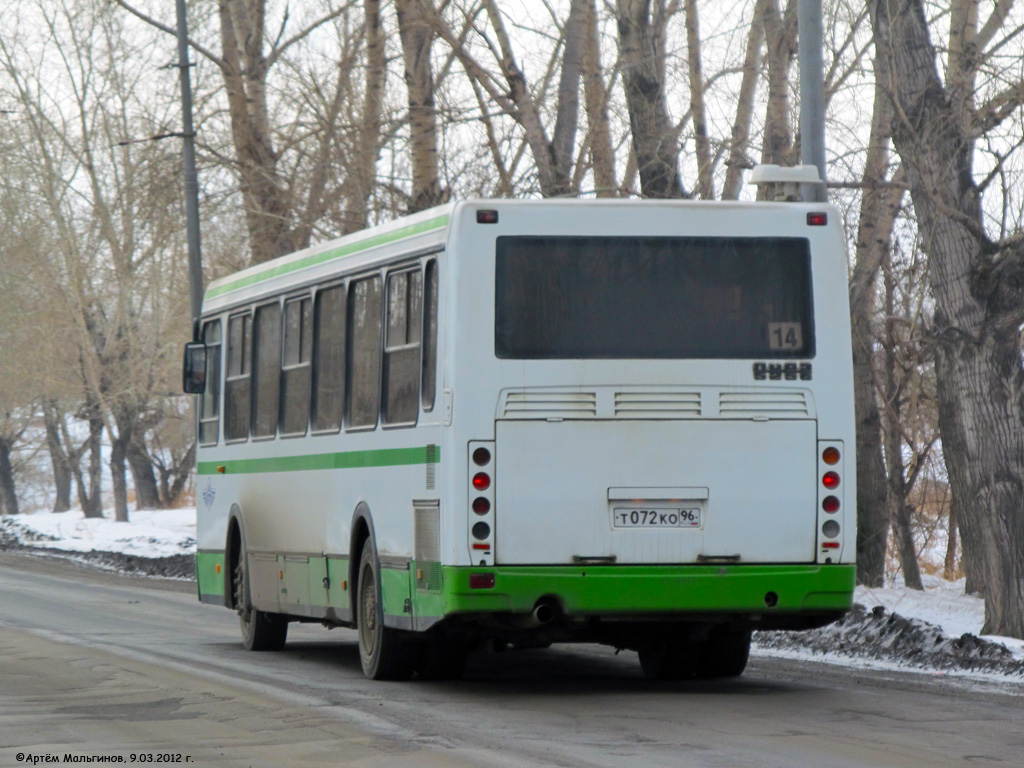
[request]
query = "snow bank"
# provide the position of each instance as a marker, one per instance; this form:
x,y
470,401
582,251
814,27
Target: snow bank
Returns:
x,y
150,532
155,542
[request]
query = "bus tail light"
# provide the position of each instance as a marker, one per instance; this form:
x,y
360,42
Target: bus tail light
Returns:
x,y
480,499
830,500
481,581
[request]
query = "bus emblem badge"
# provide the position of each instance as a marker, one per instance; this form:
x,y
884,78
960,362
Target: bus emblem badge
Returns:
x,y
209,495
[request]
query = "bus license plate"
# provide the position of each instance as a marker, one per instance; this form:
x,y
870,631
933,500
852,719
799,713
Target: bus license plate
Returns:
x,y
656,517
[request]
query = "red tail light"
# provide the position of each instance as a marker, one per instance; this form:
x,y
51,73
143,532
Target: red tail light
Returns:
x,y
481,481
481,581
830,480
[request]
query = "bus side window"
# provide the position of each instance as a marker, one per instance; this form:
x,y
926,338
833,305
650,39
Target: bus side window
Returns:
x,y
430,338
209,401
267,366
237,392
329,359
402,348
365,328
295,371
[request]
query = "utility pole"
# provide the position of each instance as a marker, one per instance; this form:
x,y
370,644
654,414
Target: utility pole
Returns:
x,y
812,95
195,259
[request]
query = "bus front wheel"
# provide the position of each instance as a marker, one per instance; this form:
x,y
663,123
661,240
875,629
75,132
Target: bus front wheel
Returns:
x,y
260,631
384,653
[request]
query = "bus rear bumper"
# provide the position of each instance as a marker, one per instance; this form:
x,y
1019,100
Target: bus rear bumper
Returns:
x,y
768,596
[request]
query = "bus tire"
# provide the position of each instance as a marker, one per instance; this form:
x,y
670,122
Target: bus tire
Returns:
x,y
673,659
261,631
383,652
442,660
725,653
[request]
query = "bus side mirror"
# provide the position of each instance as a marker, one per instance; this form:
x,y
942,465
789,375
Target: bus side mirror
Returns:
x,y
193,376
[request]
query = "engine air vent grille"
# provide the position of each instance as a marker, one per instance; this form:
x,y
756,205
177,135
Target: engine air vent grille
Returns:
x,y
549,405
657,405
772,405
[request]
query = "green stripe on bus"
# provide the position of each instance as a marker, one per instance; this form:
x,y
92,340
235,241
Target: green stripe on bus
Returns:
x,y
335,253
384,457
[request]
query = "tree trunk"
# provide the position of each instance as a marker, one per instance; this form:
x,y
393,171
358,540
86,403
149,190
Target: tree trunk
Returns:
x,y
654,140
244,68
949,566
872,515
738,160
362,172
781,37
904,536
146,494
416,34
568,108
90,496
978,288
595,95
174,480
878,210
118,477
695,72
58,459
8,493
898,488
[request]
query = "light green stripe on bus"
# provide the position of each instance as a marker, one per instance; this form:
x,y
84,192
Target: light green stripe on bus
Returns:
x,y
384,457
335,253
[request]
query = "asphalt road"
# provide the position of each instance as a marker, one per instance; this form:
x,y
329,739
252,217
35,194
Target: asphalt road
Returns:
x,y
95,665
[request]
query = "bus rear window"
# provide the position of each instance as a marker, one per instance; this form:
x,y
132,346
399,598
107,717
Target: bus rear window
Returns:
x,y
653,298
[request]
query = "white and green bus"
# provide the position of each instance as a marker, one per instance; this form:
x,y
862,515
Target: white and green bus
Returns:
x,y
525,422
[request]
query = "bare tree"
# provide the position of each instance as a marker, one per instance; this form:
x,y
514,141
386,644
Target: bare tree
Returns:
x,y
304,155
509,88
642,60
780,30
977,284
417,33
741,128
879,205
907,388
596,96
116,228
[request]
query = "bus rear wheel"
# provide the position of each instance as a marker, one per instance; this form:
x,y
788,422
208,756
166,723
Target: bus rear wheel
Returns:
x,y
261,631
725,653
676,658
384,653
442,660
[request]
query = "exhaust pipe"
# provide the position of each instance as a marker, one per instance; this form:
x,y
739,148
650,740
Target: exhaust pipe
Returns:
x,y
544,612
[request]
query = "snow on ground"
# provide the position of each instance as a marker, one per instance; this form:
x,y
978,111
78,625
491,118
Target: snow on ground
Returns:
x,y
155,542
891,627
149,532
